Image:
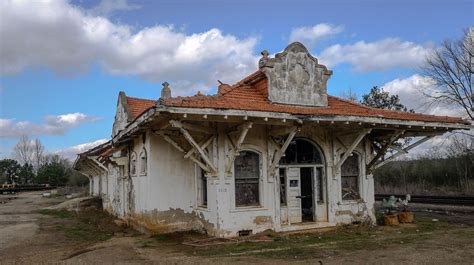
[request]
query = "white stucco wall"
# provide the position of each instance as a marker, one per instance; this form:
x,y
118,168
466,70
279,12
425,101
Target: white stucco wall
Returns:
x,y
165,198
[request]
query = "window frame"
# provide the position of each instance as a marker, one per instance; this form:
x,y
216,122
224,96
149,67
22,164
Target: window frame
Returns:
x,y
259,181
358,179
202,201
143,166
133,164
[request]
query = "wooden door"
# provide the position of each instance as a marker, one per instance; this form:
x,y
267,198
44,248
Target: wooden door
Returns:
x,y
293,184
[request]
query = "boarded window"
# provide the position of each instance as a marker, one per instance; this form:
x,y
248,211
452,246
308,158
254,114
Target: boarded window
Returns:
x,y
350,178
133,164
143,162
247,176
301,151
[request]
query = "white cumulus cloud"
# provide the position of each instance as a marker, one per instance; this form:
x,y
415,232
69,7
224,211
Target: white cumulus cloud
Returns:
x,y
68,39
108,7
374,56
72,151
411,91
54,125
310,35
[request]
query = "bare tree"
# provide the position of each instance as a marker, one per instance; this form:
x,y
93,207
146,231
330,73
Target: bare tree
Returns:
x,y
349,94
24,151
38,154
451,66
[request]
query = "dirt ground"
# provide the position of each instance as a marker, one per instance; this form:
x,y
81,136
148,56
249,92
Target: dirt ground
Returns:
x,y
29,235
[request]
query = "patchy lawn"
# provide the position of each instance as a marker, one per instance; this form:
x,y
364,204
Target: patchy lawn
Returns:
x,y
342,239
96,226
87,225
92,237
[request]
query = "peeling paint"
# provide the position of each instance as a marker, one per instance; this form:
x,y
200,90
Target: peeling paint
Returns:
x,y
173,220
260,220
346,212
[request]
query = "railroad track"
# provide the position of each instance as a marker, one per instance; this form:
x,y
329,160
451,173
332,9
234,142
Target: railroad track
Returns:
x,y
26,188
452,200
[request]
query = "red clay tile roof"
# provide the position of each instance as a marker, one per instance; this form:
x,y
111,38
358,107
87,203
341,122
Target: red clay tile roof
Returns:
x,y
251,94
137,106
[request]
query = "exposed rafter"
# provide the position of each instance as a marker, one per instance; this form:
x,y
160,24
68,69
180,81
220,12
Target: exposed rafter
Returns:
x,y
280,131
121,161
96,170
191,127
94,159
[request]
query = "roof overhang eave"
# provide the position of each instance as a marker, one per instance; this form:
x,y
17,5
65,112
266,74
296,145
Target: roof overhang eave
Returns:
x,y
374,122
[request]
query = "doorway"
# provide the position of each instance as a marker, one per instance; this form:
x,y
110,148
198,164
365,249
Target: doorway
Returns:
x,y
302,184
307,195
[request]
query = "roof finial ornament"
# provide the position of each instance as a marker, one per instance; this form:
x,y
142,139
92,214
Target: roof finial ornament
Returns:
x,y
263,61
166,90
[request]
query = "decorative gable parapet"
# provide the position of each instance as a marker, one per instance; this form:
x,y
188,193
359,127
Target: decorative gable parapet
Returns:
x,y
122,114
295,77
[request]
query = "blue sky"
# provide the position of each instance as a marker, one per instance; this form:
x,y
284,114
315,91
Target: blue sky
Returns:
x,y
63,63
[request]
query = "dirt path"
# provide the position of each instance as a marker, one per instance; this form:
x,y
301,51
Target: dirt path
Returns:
x,y
30,237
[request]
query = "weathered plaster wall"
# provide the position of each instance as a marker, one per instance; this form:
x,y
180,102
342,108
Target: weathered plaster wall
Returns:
x,y
356,210
95,185
166,198
256,218
295,77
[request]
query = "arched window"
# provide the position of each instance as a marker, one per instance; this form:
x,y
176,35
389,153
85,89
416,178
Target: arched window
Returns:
x,y
247,178
301,151
143,162
133,164
350,172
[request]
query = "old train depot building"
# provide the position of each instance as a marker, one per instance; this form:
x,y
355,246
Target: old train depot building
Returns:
x,y
272,151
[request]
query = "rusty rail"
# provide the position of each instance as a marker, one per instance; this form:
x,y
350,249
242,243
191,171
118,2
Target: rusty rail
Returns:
x,y
451,200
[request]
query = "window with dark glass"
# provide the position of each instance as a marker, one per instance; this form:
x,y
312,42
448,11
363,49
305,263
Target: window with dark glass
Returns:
x,y
320,184
282,186
301,151
350,178
247,177
203,188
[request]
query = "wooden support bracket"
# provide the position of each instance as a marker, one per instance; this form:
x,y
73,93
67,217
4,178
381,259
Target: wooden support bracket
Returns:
x,y
398,148
244,128
381,152
352,147
404,151
282,150
179,148
204,144
201,152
